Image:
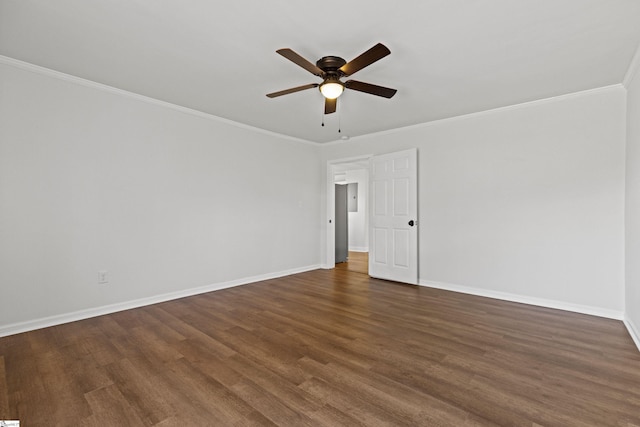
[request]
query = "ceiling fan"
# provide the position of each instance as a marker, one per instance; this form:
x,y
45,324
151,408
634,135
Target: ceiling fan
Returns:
x,y
331,69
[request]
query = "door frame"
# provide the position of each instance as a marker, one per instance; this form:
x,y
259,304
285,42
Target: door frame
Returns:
x,y
331,205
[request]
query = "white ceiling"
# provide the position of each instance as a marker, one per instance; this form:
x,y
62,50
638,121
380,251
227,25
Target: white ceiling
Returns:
x,y
448,57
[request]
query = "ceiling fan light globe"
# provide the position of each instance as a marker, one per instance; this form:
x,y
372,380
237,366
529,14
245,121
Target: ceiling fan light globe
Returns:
x,y
331,90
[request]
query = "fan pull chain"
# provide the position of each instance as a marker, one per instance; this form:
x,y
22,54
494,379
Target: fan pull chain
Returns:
x,y
339,111
339,105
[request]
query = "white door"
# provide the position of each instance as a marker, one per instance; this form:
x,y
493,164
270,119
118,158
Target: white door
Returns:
x,y
393,239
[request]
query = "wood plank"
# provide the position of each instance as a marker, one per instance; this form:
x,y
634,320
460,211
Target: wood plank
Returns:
x,y
357,262
4,396
325,348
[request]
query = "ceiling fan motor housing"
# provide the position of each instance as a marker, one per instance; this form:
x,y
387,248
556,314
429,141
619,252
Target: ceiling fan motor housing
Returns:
x,y
331,88
330,64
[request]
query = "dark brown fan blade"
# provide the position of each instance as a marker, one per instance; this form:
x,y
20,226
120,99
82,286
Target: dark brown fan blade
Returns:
x,y
377,52
292,90
299,60
369,88
330,105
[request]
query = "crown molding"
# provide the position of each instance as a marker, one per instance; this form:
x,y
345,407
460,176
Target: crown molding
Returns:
x,y
633,70
146,99
479,113
631,73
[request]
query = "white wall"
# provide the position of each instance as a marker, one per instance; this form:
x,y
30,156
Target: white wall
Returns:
x,y
525,202
632,217
166,201
358,224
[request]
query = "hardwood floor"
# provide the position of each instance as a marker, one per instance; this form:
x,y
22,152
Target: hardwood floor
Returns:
x,y
327,347
357,262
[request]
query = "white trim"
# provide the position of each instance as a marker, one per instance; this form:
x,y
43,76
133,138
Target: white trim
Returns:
x,y
59,319
110,89
523,299
477,114
633,70
633,330
153,101
358,249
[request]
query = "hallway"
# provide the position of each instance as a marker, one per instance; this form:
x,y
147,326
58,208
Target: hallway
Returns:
x,y
357,262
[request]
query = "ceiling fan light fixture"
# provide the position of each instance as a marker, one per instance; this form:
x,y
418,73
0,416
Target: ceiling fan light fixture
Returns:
x,y
331,89
331,69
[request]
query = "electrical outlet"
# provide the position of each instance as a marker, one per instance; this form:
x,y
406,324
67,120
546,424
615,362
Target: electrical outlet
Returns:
x,y
103,277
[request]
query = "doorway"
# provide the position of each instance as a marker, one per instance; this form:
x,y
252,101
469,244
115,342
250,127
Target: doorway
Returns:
x,y
351,174
357,262
391,215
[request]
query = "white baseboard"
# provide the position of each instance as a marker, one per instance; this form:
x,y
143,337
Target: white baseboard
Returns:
x,y
634,331
358,249
59,319
560,305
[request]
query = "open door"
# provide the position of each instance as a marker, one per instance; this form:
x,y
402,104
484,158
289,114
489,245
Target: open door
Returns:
x,y
393,239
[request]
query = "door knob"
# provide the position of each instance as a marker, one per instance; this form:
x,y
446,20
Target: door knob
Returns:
x,y
411,223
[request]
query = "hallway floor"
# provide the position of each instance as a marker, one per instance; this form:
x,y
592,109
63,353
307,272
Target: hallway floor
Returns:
x,y
357,262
